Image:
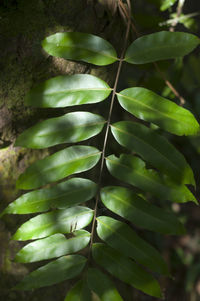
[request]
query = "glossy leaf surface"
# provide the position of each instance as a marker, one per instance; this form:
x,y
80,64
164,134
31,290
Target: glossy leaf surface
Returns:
x,y
66,162
161,45
141,213
66,267
63,195
80,46
132,170
154,149
100,283
70,128
149,106
53,246
68,90
125,269
57,221
121,237
79,292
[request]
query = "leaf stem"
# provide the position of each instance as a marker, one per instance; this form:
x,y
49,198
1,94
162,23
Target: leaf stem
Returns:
x,y
107,130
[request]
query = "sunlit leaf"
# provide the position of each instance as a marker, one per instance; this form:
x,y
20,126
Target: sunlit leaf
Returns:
x,y
121,237
167,4
53,246
155,149
80,46
66,267
102,286
79,292
125,269
57,221
141,213
68,90
63,195
66,162
149,106
161,45
70,128
132,170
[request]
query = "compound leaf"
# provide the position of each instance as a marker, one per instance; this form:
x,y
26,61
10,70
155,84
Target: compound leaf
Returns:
x,y
70,128
53,246
149,106
68,161
161,45
132,170
100,283
80,46
57,221
63,195
121,237
141,213
153,148
66,267
68,90
125,269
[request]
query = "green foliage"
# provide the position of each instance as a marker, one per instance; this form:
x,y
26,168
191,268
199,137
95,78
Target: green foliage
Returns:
x,y
124,254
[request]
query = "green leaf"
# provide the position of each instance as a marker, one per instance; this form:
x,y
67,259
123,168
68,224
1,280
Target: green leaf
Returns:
x,y
63,163
66,194
53,246
155,149
167,4
149,106
81,47
63,195
70,128
161,45
57,221
102,286
132,170
68,90
121,237
66,267
80,292
125,269
141,213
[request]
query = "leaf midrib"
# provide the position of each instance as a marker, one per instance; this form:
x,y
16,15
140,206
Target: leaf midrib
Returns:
x,y
128,133
87,49
123,238
77,90
61,219
153,109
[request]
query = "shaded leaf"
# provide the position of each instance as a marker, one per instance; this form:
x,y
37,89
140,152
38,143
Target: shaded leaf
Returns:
x,y
80,46
102,286
68,90
70,128
121,237
79,292
53,246
66,267
149,106
141,213
57,221
125,269
132,170
161,45
63,195
68,161
155,149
